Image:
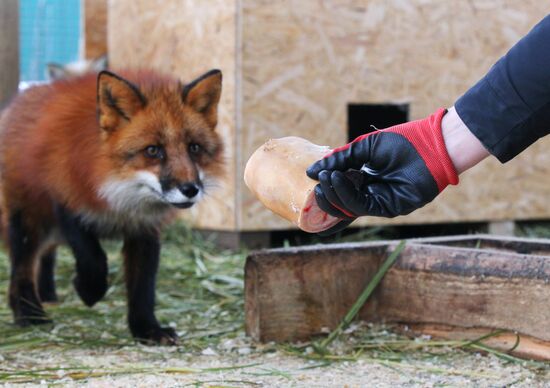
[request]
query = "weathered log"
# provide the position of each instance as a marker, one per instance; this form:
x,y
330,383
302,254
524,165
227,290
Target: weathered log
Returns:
x,y
294,294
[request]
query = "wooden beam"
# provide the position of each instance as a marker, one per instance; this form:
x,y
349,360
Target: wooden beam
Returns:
x,y
534,246
513,343
294,294
95,28
9,50
502,228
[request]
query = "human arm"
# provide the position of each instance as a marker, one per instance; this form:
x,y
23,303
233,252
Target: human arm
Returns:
x,y
464,148
509,108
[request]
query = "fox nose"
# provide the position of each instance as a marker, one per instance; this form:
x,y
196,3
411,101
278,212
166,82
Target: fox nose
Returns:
x,y
190,190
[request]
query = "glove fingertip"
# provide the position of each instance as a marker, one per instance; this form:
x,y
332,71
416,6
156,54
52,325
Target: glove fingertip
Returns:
x,y
321,200
339,177
326,206
323,203
342,184
324,175
313,171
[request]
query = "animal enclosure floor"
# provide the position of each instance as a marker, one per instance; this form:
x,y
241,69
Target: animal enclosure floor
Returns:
x,y
200,293
129,366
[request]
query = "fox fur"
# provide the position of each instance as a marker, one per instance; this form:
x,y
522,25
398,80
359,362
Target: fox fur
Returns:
x,y
103,155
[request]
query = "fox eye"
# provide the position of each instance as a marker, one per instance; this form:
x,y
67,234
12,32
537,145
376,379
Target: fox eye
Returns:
x,y
194,148
154,151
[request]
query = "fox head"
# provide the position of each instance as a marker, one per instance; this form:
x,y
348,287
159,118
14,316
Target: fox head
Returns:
x,y
159,138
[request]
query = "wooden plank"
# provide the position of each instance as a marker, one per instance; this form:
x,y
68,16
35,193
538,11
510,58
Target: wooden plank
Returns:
x,y
9,50
532,246
95,28
294,294
502,228
516,344
468,288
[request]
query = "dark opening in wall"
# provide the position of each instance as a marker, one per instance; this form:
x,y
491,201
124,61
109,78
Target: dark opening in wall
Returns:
x,y
362,116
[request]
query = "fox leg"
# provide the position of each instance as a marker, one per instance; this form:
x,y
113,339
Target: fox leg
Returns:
x,y
141,260
90,281
46,279
24,300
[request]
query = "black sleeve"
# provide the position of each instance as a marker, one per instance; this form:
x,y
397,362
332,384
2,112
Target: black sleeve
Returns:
x,y
509,108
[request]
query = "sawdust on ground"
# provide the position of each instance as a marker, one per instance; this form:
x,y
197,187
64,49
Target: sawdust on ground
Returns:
x,y
235,364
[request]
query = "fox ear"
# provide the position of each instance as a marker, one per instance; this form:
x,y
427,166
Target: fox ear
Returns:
x,y
203,95
117,100
56,71
100,63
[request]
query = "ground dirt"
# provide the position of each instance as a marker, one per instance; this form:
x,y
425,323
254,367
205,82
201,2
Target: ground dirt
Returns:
x,y
200,292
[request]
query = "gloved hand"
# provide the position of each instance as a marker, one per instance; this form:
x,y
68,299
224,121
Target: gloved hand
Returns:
x,y
385,173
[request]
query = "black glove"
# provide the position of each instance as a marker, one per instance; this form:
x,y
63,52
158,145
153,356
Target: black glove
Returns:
x,y
385,173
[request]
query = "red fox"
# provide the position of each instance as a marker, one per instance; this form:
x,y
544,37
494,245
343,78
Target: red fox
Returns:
x,y
103,155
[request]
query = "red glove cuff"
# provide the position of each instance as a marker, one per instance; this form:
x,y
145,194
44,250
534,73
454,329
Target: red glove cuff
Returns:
x,y
427,138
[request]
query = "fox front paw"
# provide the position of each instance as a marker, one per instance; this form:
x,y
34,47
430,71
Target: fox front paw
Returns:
x,y
91,289
26,307
165,336
24,321
26,314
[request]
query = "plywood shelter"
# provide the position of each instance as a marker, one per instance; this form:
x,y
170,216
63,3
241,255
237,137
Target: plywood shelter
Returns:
x,y
95,28
292,68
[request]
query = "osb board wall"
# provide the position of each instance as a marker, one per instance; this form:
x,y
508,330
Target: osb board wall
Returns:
x,y
304,61
95,28
185,38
